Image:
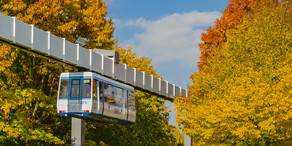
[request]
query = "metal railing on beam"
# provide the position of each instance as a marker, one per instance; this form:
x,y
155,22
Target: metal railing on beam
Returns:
x,y
33,39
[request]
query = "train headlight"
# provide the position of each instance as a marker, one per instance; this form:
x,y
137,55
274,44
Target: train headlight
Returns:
x,y
86,111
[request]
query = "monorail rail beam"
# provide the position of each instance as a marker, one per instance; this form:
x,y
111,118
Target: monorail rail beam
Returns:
x,y
32,39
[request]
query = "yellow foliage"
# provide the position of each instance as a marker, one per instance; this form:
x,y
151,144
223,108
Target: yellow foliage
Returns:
x,y
23,115
71,19
23,109
245,95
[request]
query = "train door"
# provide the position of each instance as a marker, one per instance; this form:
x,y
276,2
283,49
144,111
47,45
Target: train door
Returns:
x,y
101,98
95,96
108,100
86,95
125,104
74,97
119,103
131,107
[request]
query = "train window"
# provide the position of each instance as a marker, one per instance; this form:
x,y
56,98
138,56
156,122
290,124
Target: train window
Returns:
x,y
86,88
75,88
101,93
131,100
126,98
111,94
94,91
64,89
105,90
119,96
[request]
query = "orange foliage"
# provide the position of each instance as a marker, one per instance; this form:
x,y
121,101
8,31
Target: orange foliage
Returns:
x,y
215,36
243,95
70,19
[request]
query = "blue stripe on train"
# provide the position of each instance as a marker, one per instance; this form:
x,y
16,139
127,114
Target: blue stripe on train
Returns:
x,y
74,113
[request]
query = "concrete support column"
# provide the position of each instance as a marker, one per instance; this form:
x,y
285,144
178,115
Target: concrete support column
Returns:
x,y
77,132
188,140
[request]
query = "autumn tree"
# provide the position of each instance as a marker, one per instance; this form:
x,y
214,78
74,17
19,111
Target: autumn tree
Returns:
x,y
29,83
28,88
233,15
70,19
244,95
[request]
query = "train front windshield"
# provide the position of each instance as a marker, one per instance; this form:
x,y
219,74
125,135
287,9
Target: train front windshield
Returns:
x,y
75,89
73,86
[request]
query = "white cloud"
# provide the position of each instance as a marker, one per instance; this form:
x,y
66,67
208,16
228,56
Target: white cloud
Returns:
x,y
172,37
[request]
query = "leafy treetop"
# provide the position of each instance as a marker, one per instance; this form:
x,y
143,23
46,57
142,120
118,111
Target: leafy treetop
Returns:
x,y
244,95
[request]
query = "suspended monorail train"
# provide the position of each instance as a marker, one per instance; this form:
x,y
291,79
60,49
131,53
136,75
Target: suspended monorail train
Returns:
x,y
87,95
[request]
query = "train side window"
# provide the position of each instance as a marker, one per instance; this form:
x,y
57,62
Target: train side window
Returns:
x,y
131,100
119,96
75,88
101,91
94,91
64,89
105,92
86,88
111,94
126,98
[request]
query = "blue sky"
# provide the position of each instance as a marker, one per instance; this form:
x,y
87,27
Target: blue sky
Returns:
x,y
168,31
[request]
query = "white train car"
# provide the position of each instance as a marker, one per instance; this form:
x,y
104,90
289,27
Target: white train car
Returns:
x,y
88,95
